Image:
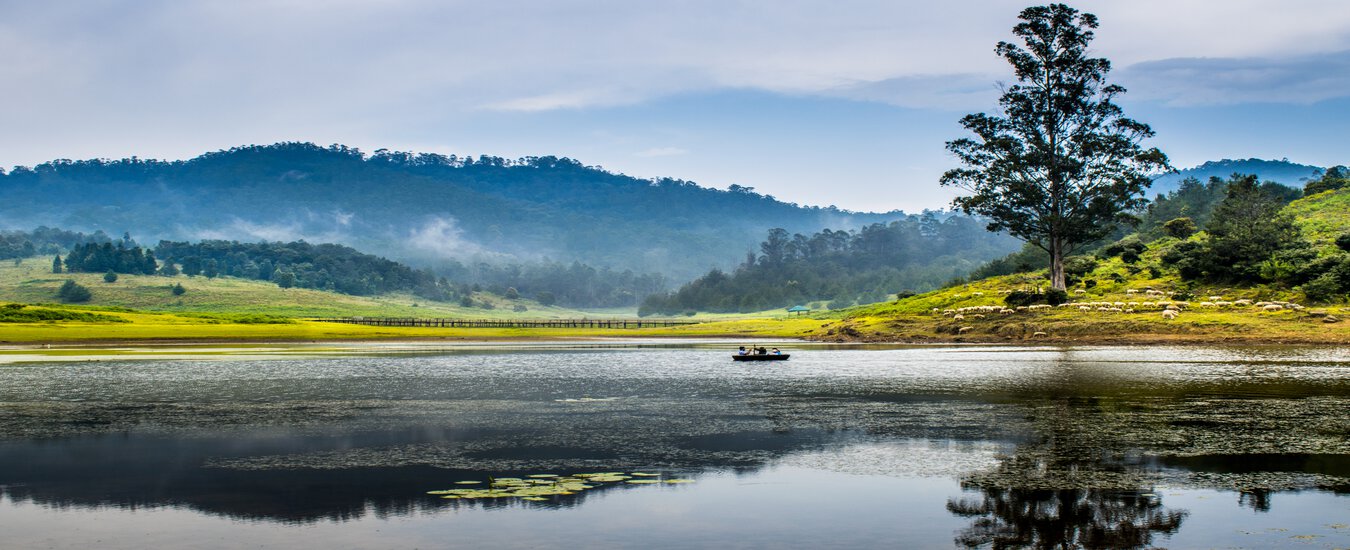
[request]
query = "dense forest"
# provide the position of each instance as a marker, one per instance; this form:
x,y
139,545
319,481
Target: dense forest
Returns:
x,y
415,208
915,254
44,240
571,285
299,264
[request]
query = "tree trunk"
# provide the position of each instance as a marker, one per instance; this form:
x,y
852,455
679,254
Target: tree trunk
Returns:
x,y
1057,265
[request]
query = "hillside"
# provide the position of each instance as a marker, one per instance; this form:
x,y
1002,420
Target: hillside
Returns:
x,y
1122,294
421,208
32,282
1279,171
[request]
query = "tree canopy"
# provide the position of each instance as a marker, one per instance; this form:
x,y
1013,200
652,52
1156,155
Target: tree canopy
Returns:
x,y
1062,165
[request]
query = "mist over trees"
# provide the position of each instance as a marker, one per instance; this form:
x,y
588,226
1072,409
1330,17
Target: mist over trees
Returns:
x,y
418,208
44,240
570,285
916,254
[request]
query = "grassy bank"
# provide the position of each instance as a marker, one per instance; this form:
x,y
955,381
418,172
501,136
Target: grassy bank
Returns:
x,y
88,324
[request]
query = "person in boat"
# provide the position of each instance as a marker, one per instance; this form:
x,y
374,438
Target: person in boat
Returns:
x,y
743,351
775,351
761,351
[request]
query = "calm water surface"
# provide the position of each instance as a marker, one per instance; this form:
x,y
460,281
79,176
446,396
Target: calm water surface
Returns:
x,y
910,447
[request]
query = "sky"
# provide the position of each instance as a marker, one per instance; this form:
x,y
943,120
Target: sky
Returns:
x,y
846,102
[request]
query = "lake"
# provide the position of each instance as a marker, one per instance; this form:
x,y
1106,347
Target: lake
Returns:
x,y
841,446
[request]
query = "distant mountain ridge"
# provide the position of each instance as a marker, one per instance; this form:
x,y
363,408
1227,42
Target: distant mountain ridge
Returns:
x,y
1282,171
414,206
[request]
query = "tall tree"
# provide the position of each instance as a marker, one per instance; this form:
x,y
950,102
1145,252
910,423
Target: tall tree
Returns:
x,y
1061,165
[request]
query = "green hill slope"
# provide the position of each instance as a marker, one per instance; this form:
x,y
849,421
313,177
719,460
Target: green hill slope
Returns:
x,y
1322,217
1112,300
33,282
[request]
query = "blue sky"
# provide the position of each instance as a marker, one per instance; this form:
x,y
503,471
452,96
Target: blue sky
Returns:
x,y
845,103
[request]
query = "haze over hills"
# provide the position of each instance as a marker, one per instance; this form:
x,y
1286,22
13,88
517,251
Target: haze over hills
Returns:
x,y
420,208
1282,171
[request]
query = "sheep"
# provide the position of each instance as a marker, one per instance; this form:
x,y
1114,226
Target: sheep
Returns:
x,y
1273,307
1216,298
1038,334
1170,314
958,317
1084,308
1131,291
977,294
1079,291
964,330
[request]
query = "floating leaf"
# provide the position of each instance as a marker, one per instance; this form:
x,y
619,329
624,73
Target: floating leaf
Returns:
x,y
643,481
679,481
542,476
640,474
535,499
467,482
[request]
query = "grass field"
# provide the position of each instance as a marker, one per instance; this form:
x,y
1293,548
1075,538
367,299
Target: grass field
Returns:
x,y
129,325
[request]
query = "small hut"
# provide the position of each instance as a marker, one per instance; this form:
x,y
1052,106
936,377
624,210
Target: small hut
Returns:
x,y
799,309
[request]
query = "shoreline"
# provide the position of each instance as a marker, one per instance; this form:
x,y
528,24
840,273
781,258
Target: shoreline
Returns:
x,y
1123,340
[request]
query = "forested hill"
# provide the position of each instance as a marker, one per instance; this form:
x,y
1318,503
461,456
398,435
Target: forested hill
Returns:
x,y
415,207
1279,171
914,254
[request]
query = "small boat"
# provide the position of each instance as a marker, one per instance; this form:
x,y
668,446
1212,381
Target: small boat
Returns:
x,y
765,357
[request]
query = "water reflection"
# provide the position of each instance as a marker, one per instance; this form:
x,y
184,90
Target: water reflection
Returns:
x,y
1085,435
1065,518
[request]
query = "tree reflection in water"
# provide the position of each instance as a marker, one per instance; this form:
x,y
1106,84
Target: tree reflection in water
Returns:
x,y
1063,518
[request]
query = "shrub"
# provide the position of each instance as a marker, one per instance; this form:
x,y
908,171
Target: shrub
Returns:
x,y
178,289
1129,256
1089,283
839,303
1180,228
1056,297
905,294
1343,242
1022,298
110,277
73,292
1079,265
1323,289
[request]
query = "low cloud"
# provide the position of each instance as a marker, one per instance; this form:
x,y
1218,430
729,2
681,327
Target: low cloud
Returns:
x,y
1228,81
443,237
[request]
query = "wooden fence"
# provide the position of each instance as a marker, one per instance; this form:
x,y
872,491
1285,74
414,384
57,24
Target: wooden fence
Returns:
x,y
507,323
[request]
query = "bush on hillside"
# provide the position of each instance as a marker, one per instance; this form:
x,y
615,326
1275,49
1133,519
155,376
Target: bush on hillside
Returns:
x,y
73,292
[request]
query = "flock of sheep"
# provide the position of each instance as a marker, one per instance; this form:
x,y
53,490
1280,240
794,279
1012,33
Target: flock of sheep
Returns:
x,y
1169,309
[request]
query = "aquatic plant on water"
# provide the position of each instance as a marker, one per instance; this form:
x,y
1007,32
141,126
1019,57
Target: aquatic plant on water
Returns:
x,y
544,487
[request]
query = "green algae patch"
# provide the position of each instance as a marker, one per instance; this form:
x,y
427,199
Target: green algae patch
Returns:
x,y
544,487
